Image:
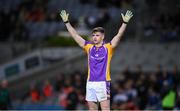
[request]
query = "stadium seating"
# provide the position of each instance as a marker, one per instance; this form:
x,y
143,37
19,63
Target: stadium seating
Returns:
x,y
148,55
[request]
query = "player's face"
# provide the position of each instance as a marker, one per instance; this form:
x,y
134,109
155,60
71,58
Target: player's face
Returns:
x,y
97,37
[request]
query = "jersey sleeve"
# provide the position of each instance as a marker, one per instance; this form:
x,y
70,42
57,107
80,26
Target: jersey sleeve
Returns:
x,y
87,46
110,48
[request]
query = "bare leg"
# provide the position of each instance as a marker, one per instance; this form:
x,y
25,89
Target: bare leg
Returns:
x,y
105,105
93,105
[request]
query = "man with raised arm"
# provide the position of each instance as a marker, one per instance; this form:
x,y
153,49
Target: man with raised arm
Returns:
x,y
99,57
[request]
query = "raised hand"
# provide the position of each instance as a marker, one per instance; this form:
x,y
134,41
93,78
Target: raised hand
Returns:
x,y
127,16
64,15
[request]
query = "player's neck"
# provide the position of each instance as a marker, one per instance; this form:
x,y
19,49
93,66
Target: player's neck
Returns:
x,y
99,44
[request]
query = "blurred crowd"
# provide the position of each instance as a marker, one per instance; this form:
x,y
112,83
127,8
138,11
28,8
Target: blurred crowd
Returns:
x,y
69,91
146,90
131,90
162,20
13,21
159,18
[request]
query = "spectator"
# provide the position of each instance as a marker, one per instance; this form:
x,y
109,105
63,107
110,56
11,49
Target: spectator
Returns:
x,y
72,99
34,94
5,99
150,28
66,90
114,91
168,97
166,77
142,88
81,98
138,69
59,82
130,91
153,82
158,70
153,99
47,89
120,99
78,81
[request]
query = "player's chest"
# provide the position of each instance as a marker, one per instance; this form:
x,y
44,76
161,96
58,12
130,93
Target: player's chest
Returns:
x,y
98,53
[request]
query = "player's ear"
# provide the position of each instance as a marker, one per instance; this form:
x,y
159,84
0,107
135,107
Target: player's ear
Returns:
x,y
102,36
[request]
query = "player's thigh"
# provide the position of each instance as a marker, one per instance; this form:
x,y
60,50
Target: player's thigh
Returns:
x,y
90,93
105,105
92,105
102,91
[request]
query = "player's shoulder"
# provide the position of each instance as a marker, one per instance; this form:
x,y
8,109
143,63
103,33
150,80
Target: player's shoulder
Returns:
x,y
108,44
109,47
88,44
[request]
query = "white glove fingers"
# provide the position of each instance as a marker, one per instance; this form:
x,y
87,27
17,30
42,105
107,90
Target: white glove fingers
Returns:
x,y
61,15
64,12
122,15
127,16
131,15
129,12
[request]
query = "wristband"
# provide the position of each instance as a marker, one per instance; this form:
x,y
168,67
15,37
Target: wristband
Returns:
x,y
125,22
66,22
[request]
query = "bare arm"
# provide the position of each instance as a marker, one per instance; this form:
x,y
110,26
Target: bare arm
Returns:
x,y
75,35
117,38
71,30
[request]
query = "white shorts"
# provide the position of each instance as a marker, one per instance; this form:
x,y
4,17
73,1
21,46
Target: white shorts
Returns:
x,y
97,91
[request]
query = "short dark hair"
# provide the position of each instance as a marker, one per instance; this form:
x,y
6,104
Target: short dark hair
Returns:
x,y
98,29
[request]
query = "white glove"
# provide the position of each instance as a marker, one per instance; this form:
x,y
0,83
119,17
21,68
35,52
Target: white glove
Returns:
x,y
127,16
64,15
